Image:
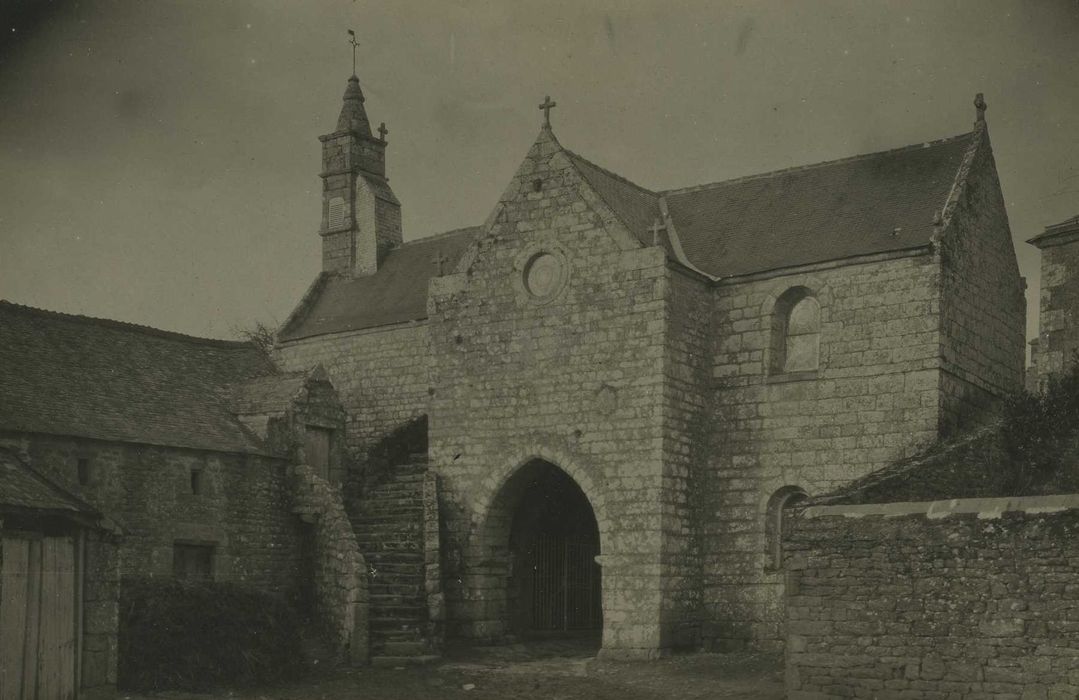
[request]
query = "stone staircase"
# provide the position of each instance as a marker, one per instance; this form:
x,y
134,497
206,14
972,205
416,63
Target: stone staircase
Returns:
x,y
390,531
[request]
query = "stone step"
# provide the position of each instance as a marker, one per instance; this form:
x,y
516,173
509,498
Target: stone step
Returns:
x,y
384,661
381,509
389,503
373,520
400,480
397,546
385,600
412,590
394,648
413,492
398,574
400,636
390,548
413,613
393,557
397,578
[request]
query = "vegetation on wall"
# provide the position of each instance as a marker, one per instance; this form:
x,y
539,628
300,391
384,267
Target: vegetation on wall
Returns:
x,y
1029,447
176,635
1038,432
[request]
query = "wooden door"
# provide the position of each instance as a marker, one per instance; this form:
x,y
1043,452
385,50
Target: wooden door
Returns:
x,y
38,617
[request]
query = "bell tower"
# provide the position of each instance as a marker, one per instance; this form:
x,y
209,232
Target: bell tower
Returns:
x,y
361,216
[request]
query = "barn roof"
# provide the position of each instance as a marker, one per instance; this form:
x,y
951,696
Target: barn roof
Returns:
x,y
24,490
864,205
95,378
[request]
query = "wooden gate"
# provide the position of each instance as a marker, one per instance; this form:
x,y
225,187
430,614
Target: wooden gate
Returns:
x,y
565,583
38,618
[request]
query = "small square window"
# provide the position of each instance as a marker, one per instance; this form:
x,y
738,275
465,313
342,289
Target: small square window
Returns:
x,y
196,482
83,468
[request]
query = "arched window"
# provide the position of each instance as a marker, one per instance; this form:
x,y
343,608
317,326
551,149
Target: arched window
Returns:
x,y
795,332
773,524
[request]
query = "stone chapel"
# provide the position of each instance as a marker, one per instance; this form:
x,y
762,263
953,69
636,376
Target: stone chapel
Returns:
x,y
617,389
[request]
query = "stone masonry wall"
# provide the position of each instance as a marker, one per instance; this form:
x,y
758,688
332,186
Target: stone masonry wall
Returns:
x,y
340,573
380,374
688,368
244,510
874,398
954,599
101,615
574,378
983,309
1059,332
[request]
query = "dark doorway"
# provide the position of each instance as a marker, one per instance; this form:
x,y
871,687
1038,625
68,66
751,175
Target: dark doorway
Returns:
x,y
554,539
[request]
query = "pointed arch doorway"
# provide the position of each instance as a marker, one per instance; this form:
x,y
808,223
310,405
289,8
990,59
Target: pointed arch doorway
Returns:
x,y
554,586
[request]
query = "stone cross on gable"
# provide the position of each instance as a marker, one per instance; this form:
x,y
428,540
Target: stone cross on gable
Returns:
x,y
657,227
980,106
547,106
382,131
440,260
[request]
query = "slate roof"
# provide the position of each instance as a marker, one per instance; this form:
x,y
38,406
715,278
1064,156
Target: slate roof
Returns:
x,y
1055,231
269,394
635,206
868,204
816,213
23,489
395,294
73,375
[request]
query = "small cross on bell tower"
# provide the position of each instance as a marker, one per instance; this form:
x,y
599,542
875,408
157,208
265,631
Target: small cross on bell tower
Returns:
x,y
352,40
382,131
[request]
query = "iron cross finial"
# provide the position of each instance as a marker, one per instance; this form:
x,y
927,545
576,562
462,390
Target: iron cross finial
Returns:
x,y
352,40
440,260
382,131
657,227
547,106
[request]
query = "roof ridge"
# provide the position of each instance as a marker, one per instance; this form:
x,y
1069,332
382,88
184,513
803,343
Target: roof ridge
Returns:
x,y
120,325
810,166
438,236
613,174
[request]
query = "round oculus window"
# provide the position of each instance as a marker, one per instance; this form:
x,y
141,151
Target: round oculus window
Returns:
x,y
544,275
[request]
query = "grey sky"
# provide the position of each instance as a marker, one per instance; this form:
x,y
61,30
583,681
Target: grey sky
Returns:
x,y
159,160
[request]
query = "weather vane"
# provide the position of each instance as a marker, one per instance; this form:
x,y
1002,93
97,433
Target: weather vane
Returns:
x,y
352,40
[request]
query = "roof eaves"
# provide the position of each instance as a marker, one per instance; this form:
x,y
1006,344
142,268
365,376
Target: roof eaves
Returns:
x,y
122,325
811,166
860,259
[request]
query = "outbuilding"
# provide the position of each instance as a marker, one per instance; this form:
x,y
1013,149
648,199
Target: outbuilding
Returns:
x,y
59,590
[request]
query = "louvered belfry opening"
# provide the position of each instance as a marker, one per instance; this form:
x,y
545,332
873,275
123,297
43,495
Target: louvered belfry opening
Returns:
x,y
554,539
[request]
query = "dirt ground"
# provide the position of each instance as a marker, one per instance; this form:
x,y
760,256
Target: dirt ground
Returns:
x,y
533,671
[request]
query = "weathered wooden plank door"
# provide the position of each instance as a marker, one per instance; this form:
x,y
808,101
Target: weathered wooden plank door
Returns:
x,y
13,614
38,614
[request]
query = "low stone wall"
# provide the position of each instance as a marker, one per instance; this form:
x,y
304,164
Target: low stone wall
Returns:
x,y
950,599
340,572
